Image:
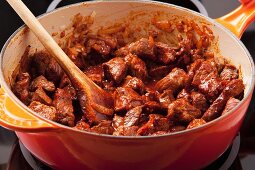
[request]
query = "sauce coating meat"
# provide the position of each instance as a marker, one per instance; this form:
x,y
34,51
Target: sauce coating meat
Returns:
x,y
158,88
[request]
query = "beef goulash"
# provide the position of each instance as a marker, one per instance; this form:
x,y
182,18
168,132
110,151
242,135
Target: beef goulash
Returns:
x,y
157,88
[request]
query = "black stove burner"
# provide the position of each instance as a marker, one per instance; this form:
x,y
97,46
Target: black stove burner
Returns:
x,y
21,158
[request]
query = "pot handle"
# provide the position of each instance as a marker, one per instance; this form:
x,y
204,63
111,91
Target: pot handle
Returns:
x,y
15,118
239,19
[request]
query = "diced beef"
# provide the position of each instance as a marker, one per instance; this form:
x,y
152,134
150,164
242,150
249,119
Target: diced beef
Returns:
x,y
233,89
71,91
199,101
174,81
134,83
117,122
156,123
81,125
152,107
143,48
63,103
54,72
21,87
115,69
40,96
130,131
193,68
64,81
95,73
42,82
126,98
184,94
229,72
182,111
104,127
132,116
43,110
137,67
41,62
109,86
166,98
165,53
151,95
77,54
231,103
195,123
196,54
177,128
158,72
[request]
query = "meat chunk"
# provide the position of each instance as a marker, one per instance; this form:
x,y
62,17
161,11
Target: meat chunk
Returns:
x,y
233,89
182,111
195,123
144,48
231,103
152,107
229,72
104,127
132,116
130,131
151,95
193,68
199,101
21,87
63,103
43,110
158,72
126,98
156,123
175,80
95,73
40,61
64,81
177,128
42,82
134,83
40,96
165,53
137,67
81,125
115,69
118,125
54,72
166,98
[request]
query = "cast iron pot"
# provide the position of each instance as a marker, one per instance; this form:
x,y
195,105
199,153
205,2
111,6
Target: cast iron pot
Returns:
x,y
63,147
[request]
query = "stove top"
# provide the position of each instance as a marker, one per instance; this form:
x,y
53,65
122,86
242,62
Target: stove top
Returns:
x,y
240,155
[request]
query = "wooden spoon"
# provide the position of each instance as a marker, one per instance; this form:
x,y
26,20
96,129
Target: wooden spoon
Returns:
x,y
92,98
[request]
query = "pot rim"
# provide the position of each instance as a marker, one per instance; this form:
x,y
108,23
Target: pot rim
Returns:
x,y
58,125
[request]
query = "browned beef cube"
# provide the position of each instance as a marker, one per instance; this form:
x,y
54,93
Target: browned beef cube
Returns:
x,y
152,107
130,131
175,80
40,96
115,69
42,82
229,72
134,83
184,94
63,103
195,123
95,73
231,103
137,67
41,62
53,71
166,98
99,46
165,53
151,95
126,98
182,111
233,89
144,48
77,54
158,72
117,122
156,123
207,70
21,87
132,116
45,111
81,125
199,101
104,127
177,128
193,68
196,54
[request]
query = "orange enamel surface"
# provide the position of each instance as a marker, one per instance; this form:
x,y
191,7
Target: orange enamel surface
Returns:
x,y
13,117
239,19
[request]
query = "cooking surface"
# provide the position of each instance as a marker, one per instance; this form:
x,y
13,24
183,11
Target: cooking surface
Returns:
x,y
11,154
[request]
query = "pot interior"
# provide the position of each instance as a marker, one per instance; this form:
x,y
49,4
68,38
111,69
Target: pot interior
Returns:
x,y
136,15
